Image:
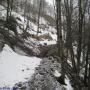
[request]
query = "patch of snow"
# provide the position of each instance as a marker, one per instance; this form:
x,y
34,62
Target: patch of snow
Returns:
x,y
75,50
15,68
50,2
42,21
48,42
68,87
57,74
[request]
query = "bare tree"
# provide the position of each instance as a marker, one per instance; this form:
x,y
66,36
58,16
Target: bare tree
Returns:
x,y
39,14
59,37
68,15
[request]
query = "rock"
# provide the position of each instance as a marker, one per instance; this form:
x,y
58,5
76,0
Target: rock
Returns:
x,y
61,80
23,88
50,57
26,78
23,70
14,88
28,69
19,84
45,43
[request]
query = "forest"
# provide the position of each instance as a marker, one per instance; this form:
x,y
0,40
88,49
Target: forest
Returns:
x,y
44,44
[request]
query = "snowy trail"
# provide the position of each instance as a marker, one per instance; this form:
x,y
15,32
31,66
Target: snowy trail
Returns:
x,y
15,68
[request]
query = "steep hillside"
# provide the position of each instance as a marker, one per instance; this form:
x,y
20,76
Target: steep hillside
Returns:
x,y
19,46
25,36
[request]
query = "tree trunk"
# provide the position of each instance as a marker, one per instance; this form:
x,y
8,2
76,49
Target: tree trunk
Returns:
x,y
8,8
59,37
69,34
89,78
39,13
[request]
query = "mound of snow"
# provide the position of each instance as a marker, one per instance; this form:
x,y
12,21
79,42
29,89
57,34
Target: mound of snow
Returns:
x,y
67,81
15,68
68,87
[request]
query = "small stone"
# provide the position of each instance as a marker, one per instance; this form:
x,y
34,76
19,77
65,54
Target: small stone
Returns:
x,y
45,43
28,69
23,70
20,84
22,88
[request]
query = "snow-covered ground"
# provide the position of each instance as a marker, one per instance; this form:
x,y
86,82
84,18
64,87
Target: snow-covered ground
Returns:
x,y
45,75
15,68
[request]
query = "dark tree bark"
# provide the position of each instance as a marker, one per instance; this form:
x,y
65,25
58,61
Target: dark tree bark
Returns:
x,y
68,9
89,78
8,8
87,56
82,9
39,14
59,36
